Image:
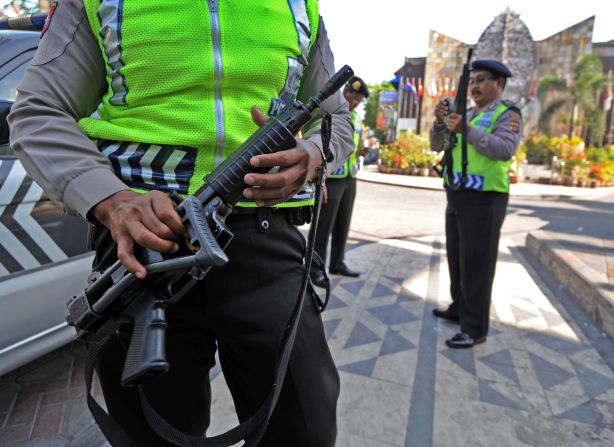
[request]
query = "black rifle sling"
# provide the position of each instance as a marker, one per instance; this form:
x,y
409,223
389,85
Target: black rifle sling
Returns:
x,y
109,427
464,161
461,103
252,429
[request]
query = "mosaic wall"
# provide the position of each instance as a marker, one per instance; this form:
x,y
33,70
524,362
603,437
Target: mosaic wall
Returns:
x,y
557,54
444,62
507,39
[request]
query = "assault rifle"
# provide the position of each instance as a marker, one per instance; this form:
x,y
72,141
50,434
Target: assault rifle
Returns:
x,y
117,298
446,165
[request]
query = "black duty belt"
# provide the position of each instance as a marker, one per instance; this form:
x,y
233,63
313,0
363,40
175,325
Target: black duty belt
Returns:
x,y
296,215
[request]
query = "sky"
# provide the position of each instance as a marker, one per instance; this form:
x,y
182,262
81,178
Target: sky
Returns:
x,y
374,37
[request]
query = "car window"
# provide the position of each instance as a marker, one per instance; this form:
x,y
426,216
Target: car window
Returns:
x,y
9,83
10,77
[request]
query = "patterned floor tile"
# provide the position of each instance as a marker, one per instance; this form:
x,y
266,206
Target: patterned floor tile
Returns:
x,y
586,412
392,314
335,302
501,362
558,344
330,326
381,290
490,395
363,368
353,287
548,373
461,357
361,335
394,342
593,383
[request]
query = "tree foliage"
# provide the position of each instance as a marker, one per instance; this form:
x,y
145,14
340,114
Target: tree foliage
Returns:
x,y
583,90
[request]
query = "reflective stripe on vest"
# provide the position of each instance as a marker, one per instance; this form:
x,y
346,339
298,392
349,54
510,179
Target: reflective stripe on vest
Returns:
x,y
483,173
350,167
182,77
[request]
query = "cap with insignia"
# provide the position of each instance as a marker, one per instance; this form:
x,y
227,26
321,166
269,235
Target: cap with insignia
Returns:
x,y
357,85
495,67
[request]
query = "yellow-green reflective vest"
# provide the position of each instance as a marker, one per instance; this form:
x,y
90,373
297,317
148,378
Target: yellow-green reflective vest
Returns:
x,y
483,173
350,167
182,77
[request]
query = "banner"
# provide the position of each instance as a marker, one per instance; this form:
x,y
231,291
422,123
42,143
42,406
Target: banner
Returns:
x,y
387,109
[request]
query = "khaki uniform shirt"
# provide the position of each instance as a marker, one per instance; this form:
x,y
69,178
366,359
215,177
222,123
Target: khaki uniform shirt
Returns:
x,y
66,81
501,144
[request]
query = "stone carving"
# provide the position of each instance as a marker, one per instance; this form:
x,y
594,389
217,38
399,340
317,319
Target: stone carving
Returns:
x,y
508,40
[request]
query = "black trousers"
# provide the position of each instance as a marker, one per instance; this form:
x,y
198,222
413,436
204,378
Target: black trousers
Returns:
x,y
473,228
335,220
241,310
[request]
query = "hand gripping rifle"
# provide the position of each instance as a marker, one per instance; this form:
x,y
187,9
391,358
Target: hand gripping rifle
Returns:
x,y
117,298
446,165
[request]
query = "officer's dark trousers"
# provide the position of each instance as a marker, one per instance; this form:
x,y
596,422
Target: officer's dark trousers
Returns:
x,y
241,310
473,227
335,219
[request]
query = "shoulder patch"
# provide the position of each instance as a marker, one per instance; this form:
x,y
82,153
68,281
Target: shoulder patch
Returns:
x,y
514,124
52,8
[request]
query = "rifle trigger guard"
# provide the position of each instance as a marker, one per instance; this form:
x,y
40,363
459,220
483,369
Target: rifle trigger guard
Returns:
x,y
209,252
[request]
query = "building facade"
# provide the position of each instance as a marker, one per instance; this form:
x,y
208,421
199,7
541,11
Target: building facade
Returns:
x,y
509,40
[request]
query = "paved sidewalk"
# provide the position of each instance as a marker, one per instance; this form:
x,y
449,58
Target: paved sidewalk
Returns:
x,y
538,380
369,174
582,261
543,378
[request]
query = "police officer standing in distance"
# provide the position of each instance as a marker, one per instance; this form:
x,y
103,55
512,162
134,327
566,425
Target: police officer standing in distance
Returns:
x,y
340,195
127,101
476,209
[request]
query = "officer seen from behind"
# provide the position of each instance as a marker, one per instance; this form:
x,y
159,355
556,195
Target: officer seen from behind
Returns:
x,y
476,210
339,199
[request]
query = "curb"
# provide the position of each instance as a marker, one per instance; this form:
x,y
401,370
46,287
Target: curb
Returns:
x,y
582,282
391,183
595,193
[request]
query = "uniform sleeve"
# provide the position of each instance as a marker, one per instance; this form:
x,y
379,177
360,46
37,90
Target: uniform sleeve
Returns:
x,y
437,136
502,143
64,83
320,68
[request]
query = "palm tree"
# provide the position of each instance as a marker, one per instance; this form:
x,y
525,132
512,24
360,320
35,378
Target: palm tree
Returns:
x,y
581,94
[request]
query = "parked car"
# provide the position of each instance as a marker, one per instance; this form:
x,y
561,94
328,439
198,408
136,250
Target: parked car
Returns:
x,y
43,256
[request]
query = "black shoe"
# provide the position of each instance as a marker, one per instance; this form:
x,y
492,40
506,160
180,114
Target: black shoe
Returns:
x,y
319,280
464,340
344,271
445,314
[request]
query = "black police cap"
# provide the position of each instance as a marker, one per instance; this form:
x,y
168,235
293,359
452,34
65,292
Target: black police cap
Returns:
x,y
495,67
357,85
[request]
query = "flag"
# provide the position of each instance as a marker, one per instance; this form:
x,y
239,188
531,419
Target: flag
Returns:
x,y
411,87
433,89
420,87
446,87
453,89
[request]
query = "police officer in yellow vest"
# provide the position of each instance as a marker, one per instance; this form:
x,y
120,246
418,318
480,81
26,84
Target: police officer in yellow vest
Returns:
x,y
476,210
340,194
126,101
